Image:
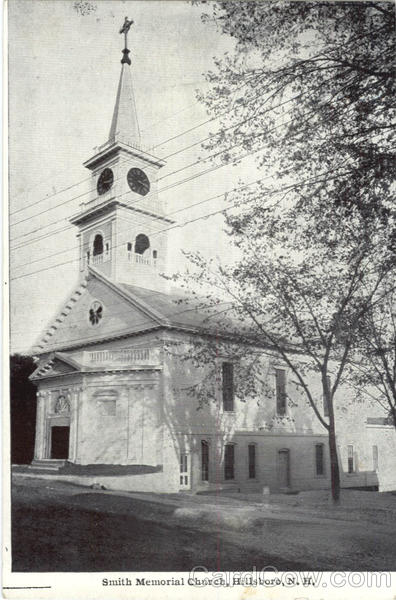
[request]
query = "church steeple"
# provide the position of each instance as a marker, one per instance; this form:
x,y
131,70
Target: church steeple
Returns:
x,y
124,125
122,225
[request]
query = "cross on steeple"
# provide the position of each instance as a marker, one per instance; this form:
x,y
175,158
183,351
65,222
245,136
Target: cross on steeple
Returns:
x,y
124,29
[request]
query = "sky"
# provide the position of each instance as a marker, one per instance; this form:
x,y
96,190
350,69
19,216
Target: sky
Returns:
x,y
64,65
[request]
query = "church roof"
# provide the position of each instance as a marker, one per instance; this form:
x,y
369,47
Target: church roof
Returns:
x,y
124,126
130,310
180,311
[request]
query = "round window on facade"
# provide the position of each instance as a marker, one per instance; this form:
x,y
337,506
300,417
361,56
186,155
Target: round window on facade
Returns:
x,y
95,314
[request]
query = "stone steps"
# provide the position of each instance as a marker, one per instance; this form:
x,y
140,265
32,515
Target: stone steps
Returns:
x,y
50,464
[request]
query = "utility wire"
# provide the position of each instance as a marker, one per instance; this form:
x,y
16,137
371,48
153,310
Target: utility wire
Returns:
x,y
201,173
357,37
187,166
126,161
225,194
167,175
293,186
177,183
200,125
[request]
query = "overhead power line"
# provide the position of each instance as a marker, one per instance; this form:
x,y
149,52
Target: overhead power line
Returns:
x,y
213,168
126,161
292,186
356,38
191,129
90,178
184,208
169,187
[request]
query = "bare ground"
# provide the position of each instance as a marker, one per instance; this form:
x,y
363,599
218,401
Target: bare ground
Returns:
x,y
57,526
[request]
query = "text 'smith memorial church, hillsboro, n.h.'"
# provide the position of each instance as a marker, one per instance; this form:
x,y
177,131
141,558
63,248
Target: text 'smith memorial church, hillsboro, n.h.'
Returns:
x,y
113,406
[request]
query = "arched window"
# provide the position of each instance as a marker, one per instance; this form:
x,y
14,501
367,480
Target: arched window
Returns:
x,y
141,243
98,245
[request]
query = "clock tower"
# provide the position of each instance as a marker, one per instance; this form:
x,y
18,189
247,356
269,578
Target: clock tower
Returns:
x,y
122,226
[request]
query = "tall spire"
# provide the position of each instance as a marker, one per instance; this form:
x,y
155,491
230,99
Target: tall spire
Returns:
x,y
124,125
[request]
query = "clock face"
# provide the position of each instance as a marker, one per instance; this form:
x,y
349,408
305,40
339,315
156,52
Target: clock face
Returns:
x,y
105,181
138,181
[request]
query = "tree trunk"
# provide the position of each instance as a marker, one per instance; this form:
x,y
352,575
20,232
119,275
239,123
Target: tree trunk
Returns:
x,y
393,415
335,470
334,467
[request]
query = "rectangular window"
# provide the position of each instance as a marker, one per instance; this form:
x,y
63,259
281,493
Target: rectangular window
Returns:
x,y
183,470
229,461
228,386
252,461
129,247
107,248
280,377
204,461
375,458
351,462
325,403
319,459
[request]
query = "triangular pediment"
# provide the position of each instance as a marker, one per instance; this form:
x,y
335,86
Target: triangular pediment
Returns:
x,y
98,311
57,364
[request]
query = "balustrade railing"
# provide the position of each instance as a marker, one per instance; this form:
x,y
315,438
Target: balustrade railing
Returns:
x,y
124,356
98,259
140,259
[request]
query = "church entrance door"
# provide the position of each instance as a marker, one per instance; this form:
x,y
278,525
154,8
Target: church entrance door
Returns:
x,y
60,442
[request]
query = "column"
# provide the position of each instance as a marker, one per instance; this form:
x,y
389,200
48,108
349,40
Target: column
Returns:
x,y
41,430
74,422
39,426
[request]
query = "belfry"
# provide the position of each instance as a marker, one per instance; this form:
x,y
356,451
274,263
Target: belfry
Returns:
x,y
121,224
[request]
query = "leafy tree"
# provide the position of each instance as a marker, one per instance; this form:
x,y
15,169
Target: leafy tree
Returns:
x,y
372,371
308,90
23,408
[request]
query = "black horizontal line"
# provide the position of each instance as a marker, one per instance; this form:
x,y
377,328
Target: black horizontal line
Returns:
x,y
27,587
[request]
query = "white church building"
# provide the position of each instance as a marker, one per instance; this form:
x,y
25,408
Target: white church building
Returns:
x,y
112,401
